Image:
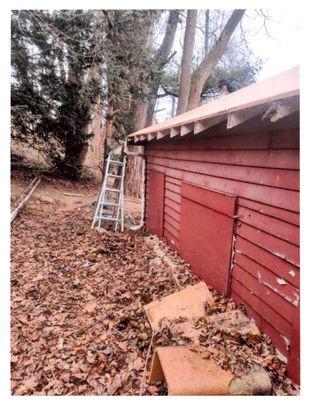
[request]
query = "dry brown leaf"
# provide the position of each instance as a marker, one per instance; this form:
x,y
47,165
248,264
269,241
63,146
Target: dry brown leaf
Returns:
x,y
90,307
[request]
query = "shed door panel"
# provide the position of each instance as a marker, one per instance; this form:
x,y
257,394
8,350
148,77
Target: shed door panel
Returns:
x,y
206,232
156,203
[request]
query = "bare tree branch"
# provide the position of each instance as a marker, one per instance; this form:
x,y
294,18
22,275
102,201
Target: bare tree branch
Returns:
x,y
201,74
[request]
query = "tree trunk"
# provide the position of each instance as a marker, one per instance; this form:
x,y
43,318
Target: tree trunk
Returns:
x,y
140,114
108,128
206,35
70,167
186,62
203,71
161,59
95,107
173,107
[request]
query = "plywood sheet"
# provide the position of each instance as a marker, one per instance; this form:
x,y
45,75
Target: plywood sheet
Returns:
x,y
188,303
187,373
235,323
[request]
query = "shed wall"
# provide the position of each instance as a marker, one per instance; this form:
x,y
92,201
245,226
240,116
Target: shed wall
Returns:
x,y
262,170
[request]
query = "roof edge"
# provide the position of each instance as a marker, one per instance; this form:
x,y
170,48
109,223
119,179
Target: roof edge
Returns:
x,y
255,95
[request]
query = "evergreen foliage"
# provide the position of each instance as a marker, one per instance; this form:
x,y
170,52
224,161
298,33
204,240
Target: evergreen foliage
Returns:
x,y
61,61
129,64
52,87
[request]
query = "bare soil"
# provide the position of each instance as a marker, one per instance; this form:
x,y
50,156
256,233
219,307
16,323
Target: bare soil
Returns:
x,y
67,195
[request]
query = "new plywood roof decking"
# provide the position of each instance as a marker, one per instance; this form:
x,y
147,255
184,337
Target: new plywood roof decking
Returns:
x,y
236,108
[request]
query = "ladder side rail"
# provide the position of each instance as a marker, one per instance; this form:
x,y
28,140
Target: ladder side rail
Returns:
x,y
100,199
122,192
117,219
100,204
120,201
104,189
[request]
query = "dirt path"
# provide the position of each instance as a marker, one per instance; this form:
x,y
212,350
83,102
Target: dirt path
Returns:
x,y
55,191
67,195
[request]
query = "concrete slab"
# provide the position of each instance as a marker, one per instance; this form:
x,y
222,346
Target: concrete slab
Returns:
x,y
187,373
186,304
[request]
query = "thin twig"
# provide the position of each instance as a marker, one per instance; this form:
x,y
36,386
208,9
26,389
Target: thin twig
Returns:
x,y
145,369
73,194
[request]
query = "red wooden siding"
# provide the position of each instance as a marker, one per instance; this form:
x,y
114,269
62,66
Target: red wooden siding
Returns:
x,y
262,170
155,199
207,244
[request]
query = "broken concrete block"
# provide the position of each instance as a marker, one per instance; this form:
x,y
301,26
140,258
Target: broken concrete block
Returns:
x,y
187,304
187,373
234,323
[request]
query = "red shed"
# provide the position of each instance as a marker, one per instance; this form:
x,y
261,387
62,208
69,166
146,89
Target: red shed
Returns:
x,y
223,188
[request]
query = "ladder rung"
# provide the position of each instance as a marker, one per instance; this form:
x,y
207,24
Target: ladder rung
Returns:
x,y
107,212
116,162
114,176
108,218
112,190
111,203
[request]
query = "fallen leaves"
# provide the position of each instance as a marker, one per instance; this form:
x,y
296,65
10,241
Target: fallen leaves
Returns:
x,y
90,307
29,384
137,364
228,345
77,320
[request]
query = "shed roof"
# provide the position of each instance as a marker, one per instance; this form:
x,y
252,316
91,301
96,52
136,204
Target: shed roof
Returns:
x,y
275,98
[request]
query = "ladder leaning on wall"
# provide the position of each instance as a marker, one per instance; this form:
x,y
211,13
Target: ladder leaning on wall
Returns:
x,y
110,205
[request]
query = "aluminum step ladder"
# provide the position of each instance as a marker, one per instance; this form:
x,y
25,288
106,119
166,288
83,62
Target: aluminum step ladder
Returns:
x,y
110,202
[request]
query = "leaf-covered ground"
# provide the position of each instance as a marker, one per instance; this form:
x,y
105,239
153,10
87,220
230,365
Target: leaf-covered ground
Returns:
x,y
77,322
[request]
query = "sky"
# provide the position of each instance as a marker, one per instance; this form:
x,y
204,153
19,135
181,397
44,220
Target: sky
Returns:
x,y
277,45
281,51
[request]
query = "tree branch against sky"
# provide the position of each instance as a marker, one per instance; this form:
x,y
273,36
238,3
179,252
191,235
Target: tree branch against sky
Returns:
x,y
186,61
205,68
160,60
131,67
267,54
208,27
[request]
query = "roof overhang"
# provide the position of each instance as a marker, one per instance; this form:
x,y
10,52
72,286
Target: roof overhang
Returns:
x,y
273,99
